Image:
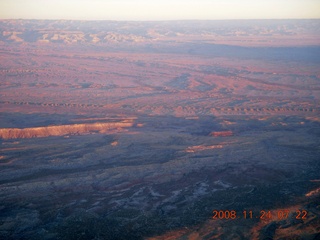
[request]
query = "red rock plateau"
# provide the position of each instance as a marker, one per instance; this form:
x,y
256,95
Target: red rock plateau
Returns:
x,y
62,67
139,130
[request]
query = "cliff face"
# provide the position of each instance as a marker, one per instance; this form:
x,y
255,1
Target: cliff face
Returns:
x,y
61,130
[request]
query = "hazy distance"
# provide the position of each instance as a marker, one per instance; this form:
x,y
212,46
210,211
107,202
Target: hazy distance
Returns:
x,y
159,9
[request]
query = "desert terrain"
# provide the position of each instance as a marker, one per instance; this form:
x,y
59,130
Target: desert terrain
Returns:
x,y
142,130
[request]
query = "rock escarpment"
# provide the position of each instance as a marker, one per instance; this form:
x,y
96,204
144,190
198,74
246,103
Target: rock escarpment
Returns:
x,y
61,130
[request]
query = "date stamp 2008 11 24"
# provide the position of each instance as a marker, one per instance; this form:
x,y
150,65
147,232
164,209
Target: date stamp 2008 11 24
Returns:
x,y
263,214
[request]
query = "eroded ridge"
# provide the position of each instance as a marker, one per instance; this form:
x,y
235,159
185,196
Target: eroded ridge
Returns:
x,y
61,130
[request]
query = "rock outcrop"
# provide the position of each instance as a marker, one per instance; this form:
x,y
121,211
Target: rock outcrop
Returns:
x,y
61,130
202,148
222,134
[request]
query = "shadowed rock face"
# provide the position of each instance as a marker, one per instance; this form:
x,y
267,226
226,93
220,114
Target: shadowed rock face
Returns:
x,y
11,133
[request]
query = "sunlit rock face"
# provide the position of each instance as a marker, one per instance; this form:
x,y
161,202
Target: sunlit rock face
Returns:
x,y
38,132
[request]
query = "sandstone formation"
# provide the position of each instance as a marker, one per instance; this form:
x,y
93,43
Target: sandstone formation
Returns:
x,y
222,134
36,132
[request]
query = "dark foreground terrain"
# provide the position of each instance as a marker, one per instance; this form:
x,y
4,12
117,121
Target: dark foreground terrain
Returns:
x,y
180,130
